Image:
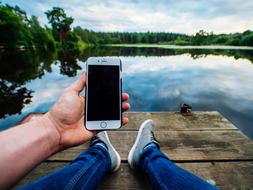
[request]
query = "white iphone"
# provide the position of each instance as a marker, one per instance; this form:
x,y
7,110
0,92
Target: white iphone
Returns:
x,y
103,94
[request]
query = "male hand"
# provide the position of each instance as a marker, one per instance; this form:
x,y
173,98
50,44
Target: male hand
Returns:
x,y
67,115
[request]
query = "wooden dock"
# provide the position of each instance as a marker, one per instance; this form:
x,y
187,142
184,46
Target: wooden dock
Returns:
x,y
205,143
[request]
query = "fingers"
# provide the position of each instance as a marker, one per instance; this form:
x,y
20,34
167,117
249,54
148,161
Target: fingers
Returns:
x,y
79,84
125,97
125,121
125,106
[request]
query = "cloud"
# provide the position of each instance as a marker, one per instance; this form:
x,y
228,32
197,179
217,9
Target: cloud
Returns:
x,y
186,16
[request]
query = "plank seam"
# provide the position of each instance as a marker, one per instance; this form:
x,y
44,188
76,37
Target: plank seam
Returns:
x,y
203,161
176,161
211,129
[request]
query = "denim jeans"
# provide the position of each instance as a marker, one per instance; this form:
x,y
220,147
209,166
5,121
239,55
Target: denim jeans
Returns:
x,y
164,174
88,169
85,172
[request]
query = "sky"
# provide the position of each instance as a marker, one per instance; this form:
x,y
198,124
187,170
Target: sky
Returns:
x,y
180,16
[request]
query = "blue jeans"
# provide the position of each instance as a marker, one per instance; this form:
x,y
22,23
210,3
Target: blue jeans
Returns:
x,y
88,169
164,174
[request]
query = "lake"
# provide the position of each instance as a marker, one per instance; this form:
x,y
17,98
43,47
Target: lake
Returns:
x,y
157,79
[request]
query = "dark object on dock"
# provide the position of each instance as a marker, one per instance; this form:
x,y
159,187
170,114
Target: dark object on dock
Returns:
x,y
186,110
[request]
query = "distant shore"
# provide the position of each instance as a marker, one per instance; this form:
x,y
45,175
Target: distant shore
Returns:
x,y
183,46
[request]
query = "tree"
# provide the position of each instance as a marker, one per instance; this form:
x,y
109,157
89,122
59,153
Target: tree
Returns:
x,y
41,37
14,30
60,23
247,38
200,38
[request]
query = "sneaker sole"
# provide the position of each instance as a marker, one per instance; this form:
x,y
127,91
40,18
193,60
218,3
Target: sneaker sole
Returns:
x,y
130,155
117,154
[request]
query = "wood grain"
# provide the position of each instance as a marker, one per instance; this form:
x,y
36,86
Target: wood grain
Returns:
x,y
166,121
205,144
181,145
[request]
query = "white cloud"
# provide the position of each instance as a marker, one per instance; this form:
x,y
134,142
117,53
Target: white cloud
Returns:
x,y
186,16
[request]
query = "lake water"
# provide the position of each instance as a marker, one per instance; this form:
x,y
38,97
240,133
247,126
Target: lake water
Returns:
x,y
157,79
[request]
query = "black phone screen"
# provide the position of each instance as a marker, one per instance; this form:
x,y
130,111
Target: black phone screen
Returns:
x,y
103,93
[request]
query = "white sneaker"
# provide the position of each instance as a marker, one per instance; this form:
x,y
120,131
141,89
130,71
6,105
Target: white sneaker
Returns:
x,y
145,137
102,137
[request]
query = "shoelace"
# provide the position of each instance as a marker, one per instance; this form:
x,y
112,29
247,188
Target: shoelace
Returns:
x,y
152,137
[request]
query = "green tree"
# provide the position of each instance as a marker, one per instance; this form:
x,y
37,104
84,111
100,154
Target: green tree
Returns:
x,y
200,38
14,30
247,38
41,37
60,23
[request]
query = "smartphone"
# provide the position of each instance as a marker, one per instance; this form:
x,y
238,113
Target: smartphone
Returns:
x,y
103,94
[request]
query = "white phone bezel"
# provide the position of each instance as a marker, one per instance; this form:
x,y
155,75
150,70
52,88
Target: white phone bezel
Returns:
x,y
110,124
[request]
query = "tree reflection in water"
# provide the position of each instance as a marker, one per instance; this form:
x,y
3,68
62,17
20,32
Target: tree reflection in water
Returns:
x,y
13,98
151,51
18,67
21,66
68,62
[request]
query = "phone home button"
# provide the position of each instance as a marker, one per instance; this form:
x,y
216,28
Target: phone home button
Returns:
x,y
103,124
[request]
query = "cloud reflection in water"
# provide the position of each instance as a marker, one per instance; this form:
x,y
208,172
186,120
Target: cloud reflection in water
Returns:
x,y
162,83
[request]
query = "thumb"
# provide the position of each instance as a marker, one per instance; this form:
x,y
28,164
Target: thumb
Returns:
x,y
79,84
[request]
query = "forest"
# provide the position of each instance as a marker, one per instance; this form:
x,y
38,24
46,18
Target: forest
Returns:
x,y
18,30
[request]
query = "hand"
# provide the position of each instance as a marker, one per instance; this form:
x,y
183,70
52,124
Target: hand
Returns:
x,y
67,115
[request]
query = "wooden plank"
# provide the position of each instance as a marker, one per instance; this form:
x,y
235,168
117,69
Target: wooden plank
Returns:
x,y
181,145
175,121
167,121
205,144
227,175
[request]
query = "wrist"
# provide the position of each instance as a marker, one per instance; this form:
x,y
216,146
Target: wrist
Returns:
x,y
52,134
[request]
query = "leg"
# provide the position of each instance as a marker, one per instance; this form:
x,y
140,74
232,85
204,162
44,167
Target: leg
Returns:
x,y
162,173
85,172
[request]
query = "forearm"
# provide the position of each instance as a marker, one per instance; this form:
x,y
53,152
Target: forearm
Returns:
x,y
25,146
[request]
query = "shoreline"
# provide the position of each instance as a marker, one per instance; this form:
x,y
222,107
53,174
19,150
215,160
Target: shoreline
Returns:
x,y
182,46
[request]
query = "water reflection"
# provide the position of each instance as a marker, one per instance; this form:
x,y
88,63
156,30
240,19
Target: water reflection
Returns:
x,y
68,61
144,51
13,98
157,80
16,69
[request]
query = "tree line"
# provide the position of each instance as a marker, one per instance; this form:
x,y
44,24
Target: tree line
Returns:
x,y
200,38
17,30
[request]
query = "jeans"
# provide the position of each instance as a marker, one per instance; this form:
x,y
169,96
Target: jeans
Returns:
x,y
88,169
164,174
